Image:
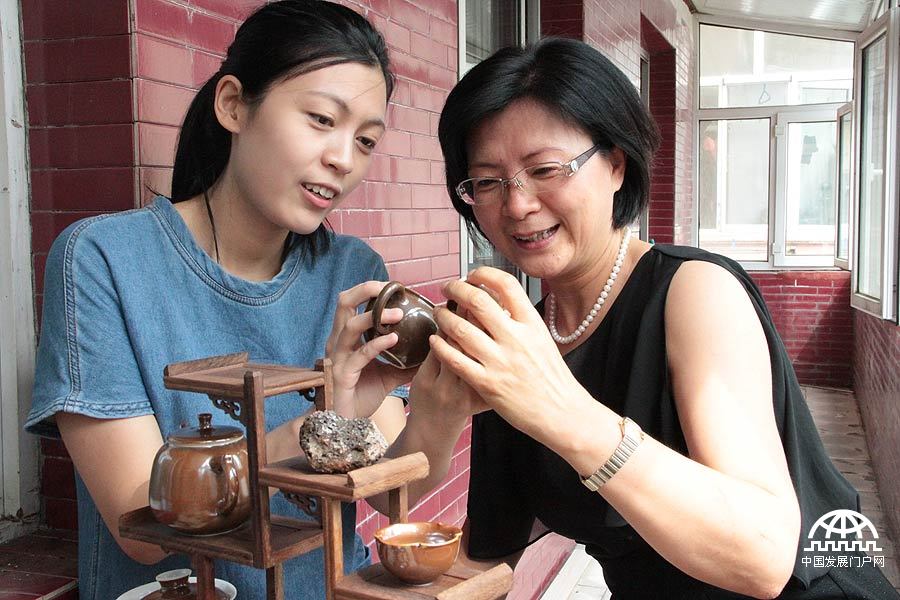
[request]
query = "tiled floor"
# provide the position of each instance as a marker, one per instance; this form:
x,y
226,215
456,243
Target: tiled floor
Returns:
x,y
837,417
40,566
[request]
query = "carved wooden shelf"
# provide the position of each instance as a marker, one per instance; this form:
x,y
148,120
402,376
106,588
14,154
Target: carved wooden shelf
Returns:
x,y
240,388
295,475
289,537
224,376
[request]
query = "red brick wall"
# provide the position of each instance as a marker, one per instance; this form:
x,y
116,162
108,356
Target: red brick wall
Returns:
x,y
78,97
661,217
876,377
615,27
78,100
403,210
812,313
563,18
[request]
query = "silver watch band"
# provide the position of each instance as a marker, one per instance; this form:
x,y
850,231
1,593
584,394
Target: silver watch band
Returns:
x,y
632,436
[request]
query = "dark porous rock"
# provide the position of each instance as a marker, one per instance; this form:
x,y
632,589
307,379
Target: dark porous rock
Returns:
x,y
336,444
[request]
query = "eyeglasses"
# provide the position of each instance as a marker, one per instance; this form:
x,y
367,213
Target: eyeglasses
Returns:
x,y
534,179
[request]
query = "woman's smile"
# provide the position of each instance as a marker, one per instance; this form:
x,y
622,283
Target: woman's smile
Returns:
x,y
319,195
536,239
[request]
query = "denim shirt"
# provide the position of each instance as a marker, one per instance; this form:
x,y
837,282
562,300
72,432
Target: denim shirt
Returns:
x,y
126,294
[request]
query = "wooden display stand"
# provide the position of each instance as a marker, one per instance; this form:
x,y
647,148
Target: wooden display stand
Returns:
x,y
240,388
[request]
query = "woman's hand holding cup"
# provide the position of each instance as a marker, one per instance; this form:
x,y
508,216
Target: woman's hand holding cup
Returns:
x,y
361,383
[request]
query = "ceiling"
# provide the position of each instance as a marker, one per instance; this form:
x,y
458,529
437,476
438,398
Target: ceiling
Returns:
x,y
851,15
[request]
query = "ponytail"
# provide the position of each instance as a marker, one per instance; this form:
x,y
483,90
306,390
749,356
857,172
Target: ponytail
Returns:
x,y
203,146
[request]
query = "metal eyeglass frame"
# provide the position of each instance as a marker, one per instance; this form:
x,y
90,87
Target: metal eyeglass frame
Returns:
x,y
569,169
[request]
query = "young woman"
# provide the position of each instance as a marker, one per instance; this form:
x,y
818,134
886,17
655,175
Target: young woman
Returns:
x,y
237,260
711,485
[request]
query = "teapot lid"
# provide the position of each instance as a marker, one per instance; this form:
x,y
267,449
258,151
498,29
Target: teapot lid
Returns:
x,y
206,434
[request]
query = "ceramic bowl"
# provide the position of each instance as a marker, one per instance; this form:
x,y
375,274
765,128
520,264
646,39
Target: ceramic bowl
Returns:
x,y
139,593
418,553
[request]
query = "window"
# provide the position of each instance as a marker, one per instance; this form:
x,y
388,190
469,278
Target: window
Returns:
x,y
741,68
805,196
844,185
874,221
488,26
766,148
733,175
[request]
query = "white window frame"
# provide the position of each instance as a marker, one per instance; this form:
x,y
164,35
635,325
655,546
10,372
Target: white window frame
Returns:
x,y
18,451
886,307
777,166
779,240
529,25
841,263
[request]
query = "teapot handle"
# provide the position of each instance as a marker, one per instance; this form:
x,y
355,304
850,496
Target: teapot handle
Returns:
x,y
380,302
229,483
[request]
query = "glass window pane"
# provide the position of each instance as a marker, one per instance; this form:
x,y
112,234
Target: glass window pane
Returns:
x,y
758,68
871,164
734,188
490,25
844,189
809,198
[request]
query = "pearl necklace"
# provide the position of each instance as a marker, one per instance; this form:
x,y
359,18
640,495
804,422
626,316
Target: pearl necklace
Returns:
x,y
551,300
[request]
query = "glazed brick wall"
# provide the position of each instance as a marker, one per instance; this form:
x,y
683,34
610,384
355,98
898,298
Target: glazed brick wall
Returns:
x,y
812,313
563,18
876,365
615,27
661,214
79,99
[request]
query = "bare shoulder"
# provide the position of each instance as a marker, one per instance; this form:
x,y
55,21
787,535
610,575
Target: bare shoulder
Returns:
x,y
713,331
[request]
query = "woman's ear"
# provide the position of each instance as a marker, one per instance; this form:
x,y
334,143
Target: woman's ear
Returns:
x,y
617,162
228,103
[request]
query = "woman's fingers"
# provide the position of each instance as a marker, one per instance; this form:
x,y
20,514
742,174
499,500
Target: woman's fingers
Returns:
x,y
478,306
354,362
467,369
346,309
349,337
505,289
468,337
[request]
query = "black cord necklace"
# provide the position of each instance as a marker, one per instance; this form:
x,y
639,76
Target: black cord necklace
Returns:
x,y
212,224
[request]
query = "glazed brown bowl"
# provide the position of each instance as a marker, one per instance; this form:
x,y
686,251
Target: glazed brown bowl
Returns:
x,y
418,553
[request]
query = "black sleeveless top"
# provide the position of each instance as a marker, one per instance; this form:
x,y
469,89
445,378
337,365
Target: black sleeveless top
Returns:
x,y
514,480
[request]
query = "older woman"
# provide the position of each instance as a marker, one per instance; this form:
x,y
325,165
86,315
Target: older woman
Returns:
x,y
646,407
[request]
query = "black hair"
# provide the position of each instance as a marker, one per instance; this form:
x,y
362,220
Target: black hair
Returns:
x,y
573,81
277,42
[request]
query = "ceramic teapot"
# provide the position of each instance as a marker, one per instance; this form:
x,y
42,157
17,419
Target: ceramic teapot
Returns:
x,y
413,329
199,483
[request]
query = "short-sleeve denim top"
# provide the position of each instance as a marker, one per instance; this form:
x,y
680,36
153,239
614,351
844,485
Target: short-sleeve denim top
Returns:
x,y
128,293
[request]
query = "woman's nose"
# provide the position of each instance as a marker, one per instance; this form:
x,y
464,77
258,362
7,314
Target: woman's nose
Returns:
x,y
518,203
339,155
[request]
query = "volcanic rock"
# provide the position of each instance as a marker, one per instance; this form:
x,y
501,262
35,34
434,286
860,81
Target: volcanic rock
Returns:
x,y
336,444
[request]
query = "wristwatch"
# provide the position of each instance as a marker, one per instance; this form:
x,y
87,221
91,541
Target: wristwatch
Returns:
x,y
632,436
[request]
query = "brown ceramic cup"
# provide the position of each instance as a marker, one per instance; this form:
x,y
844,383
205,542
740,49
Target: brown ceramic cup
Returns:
x,y
418,553
412,330
199,482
